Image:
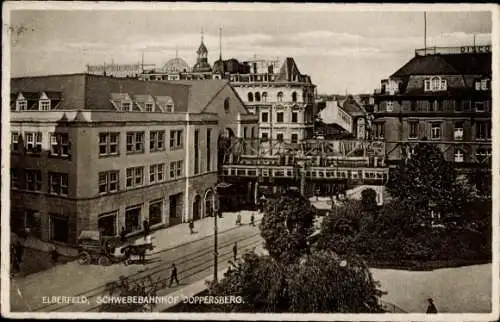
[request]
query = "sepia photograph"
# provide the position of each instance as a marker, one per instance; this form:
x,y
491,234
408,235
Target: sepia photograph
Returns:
x,y
259,161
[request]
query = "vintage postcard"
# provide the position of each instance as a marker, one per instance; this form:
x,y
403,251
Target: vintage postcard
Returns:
x,y
259,161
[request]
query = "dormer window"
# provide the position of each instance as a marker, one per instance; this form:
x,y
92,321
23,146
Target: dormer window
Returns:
x,y
126,106
22,105
149,107
482,85
170,108
44,105
435,84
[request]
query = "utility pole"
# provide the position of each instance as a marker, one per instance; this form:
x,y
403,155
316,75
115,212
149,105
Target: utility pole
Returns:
x,y
215,214
425,33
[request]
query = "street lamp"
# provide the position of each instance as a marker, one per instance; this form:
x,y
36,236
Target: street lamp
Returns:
x,y
216,210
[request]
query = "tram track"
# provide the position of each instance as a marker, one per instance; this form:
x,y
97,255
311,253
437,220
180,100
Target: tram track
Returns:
x,y
202,259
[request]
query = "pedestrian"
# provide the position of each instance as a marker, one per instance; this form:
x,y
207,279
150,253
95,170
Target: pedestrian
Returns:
x,y
145,226
238,220
191,227
173,275
431,308
252,219
123,235
235,251
54,254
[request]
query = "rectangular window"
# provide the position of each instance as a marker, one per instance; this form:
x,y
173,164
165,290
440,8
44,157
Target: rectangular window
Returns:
x,y
58,183
149,107
295,117
459,156
126,106
109,181
427,85
444,85
33,142
379,132
389,106
14,142
109,143
156,172
413,130
483,130
413,106
252,133
176,139
477,85
209,147
484,85
295,138
33,179
265,117
458,133
479,106
279,137
44,105
435,131
279,117
59,144
465,105
176,169
265,136
197,151
22,105
135,177
156,141
15,179
135,142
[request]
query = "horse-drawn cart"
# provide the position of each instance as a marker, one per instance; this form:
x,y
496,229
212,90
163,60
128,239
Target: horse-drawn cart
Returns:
x,y
93,247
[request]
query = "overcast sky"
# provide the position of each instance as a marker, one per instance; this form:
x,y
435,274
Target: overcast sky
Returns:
x,y
342,51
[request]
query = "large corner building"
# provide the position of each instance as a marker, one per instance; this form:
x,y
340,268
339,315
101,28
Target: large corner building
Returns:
x,y
95,152
441,96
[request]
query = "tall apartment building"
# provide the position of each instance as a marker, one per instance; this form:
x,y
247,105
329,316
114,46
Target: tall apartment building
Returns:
x,y
282,97
441,95
94,152
275,90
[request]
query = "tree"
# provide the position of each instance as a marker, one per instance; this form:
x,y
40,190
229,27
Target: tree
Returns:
x,y
286,225
424,180
321,282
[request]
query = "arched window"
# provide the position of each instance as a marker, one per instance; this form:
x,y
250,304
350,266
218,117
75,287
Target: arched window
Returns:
x,y
435,83
257,96
250,97
294,96
280,96
226,105
264,96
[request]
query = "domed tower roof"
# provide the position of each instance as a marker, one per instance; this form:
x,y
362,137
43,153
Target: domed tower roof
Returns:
x,y
176,65
202,64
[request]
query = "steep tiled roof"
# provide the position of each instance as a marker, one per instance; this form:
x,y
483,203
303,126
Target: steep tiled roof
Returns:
x,y
453,64
201,92
352,107
94,92
288,69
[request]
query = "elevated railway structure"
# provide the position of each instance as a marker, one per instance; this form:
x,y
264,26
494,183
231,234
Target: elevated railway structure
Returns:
x,y
310,165
318,166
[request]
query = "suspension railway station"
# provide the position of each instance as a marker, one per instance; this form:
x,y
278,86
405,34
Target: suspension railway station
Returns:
x,y
311,166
